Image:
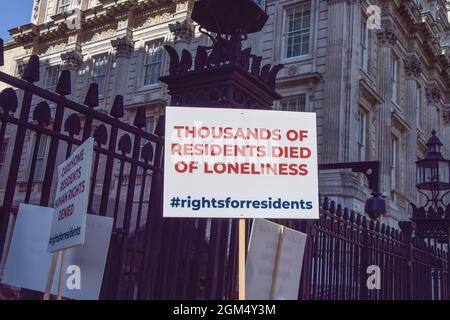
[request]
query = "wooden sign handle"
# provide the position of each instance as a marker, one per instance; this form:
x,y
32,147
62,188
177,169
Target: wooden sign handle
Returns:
x,y
51,275
277,263
242,253
61,274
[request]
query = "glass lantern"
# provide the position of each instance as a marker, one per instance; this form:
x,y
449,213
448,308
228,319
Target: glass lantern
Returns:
x,y
433,172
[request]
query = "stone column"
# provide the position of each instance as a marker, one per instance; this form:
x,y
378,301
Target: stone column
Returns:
x,y
124,47
413,69
183,33
386,39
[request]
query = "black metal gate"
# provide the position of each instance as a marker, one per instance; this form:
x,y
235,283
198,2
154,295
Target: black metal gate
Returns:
x,y
152,258
126,172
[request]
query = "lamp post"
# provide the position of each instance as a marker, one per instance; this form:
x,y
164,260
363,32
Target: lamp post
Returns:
x,y
432,220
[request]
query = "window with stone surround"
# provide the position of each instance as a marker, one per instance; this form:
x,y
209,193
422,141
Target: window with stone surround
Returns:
x,y
297,30
364,44
419,98
361,125
294,103
64,6
150,128
394,162
153,61
3,151
100,72
51,78
40,159
395,79
435,117
20,68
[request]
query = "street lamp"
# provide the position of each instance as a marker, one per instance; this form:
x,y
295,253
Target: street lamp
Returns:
x,y
433,175
432,220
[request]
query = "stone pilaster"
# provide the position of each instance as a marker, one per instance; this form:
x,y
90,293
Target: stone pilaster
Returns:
x,y
413,69
434,95
386,39
335,86
72,61
183,32
124,47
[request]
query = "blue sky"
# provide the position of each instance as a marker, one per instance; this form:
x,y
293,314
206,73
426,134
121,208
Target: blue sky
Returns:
x,y
14,13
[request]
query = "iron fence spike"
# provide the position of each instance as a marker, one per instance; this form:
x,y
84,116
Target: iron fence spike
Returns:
x,y
346,213
332,208
117,107
92,99
64,86
161,126
339,210
32,73
140,119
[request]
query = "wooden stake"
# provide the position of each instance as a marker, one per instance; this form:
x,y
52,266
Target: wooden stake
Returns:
x,y
61,274
277,264
51,275
242,253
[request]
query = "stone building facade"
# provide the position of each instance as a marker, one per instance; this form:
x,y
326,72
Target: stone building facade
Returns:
x,y
377,83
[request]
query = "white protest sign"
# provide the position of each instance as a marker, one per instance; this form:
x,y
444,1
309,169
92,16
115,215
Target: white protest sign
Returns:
x,y
235,163
265,274
71,200
28,262
261,257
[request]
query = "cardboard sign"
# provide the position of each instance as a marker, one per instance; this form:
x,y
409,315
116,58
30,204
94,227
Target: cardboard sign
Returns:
x,y
261,259
28,262
274,262
290,265
71,200
234,163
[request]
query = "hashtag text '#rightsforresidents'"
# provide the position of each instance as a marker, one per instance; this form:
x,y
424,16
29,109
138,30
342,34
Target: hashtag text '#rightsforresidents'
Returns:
x,y
230,203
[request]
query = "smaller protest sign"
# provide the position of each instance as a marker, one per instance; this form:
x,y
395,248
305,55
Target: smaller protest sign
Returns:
x,y
28,261
71,200
274,262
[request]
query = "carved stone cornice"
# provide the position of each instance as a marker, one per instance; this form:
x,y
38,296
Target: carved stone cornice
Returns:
x,y
124,47
182,31
413,66
72,60
433,95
